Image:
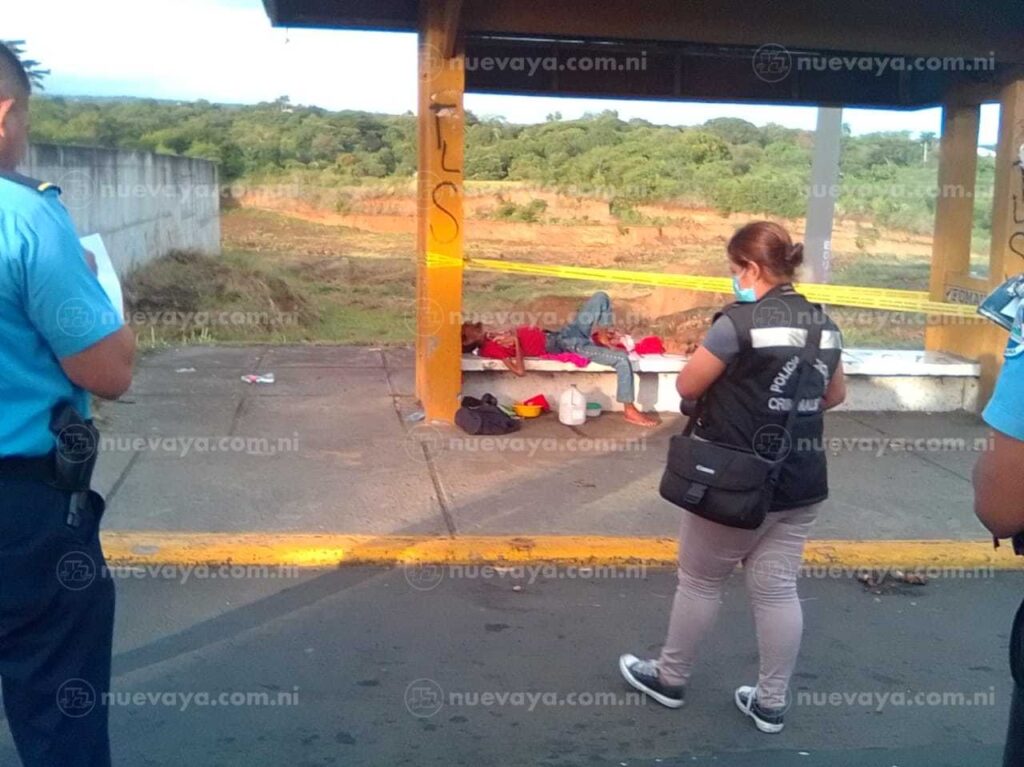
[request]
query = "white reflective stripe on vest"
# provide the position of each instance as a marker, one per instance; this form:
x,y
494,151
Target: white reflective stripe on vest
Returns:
x,y
762,338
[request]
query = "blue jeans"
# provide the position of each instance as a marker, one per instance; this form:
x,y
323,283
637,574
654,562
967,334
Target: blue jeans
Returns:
x,y
575,338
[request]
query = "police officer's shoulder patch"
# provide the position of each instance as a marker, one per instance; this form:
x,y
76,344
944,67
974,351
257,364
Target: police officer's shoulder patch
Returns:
x,y
31,183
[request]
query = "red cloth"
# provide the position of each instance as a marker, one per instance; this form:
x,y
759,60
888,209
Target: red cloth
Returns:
x,y
576,359
496,351
650,345
541,400
532,341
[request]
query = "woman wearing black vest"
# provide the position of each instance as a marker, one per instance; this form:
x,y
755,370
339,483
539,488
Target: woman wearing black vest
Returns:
x,y
744,371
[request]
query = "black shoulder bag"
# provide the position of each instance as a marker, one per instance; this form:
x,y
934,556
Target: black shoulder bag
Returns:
x,y
483,416
726,484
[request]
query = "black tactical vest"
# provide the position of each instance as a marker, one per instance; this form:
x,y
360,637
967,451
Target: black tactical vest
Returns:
x,y
748,405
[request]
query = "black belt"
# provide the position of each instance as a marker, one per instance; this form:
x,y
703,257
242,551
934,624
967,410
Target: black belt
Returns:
x,y
37,469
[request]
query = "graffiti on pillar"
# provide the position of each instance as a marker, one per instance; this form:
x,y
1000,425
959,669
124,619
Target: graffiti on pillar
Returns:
x,y
440,206
1016,243
444,113
444,110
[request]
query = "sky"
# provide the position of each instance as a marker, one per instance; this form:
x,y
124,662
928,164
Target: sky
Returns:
x,y
226,51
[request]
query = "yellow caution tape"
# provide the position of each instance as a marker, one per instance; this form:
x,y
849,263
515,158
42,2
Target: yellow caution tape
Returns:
x,y
914,301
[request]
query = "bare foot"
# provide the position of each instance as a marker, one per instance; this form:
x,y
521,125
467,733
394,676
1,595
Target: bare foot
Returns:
x,y
634,416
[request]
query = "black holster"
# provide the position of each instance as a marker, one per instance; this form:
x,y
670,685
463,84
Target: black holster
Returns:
x,y
76,451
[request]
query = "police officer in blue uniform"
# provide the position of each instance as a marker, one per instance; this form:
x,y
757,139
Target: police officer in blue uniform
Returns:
x,y
60,342
999,501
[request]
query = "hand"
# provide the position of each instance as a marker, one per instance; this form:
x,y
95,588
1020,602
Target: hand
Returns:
x,y
90,259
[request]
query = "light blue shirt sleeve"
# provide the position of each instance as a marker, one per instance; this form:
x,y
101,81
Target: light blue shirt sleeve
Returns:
x,y
63,298
1005,411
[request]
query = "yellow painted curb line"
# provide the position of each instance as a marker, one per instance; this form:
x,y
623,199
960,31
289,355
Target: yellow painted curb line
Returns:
x,y
313,550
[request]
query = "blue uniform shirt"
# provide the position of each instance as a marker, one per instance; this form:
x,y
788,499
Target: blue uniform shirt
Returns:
x,y
51,307
1005,411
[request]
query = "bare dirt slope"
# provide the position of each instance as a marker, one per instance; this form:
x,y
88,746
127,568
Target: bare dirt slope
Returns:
x,y
671,237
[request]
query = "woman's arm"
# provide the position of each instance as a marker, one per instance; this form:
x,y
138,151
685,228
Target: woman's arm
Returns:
x,y
836,392
700,371
517,365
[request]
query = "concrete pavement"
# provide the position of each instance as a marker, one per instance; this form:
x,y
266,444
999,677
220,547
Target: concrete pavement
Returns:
x,y
326,449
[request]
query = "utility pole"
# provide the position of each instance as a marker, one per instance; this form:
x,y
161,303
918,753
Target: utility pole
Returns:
x,y
821,202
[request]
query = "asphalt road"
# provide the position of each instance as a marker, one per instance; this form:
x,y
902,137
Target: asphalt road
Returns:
x,y
364,666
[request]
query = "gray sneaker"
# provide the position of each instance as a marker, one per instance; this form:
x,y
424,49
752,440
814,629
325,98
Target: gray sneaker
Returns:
x,y
643,675
766,720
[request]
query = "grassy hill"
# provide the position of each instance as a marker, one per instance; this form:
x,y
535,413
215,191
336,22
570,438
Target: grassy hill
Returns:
x,y
727,164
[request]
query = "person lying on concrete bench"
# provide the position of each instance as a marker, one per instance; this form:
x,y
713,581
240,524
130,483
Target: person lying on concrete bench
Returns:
x,y
591,334
509,346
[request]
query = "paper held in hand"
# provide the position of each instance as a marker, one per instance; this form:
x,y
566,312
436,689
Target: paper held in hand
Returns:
x,y
105,272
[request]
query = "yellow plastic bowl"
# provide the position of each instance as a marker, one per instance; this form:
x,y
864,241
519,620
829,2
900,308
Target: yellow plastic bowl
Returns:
x,y
528,411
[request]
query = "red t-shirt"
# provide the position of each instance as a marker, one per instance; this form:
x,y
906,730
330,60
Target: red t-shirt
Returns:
x,y
532,341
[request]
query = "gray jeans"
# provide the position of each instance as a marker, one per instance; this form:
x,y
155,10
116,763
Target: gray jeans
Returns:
x,y
575,338
771,557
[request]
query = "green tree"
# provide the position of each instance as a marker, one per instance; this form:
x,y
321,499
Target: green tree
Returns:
x,y
733,130
729,164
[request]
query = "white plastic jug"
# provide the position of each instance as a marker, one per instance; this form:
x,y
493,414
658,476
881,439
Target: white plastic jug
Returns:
x,y
572,407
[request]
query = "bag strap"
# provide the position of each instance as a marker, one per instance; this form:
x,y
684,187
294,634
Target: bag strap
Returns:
x,y
694,417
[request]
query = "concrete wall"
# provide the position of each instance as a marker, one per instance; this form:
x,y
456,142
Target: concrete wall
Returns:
x,y
143,204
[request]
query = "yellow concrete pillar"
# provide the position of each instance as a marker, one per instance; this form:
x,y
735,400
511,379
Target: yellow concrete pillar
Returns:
x,y
954,220
950,276
440,228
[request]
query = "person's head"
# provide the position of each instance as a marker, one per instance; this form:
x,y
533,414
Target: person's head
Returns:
x,y
762,255
472,336
15,89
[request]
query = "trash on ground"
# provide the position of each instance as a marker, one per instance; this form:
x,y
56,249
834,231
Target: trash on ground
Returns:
x,y
880,580
415,416
266,378
185,370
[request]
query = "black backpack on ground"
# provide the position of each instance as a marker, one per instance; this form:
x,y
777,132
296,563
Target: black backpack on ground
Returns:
x,y
484,417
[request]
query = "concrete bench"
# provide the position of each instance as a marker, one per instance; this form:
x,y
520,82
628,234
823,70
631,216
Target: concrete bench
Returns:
x,y
877,380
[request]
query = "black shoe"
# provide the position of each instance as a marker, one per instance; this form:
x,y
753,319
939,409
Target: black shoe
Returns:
x,y
765,719
643,675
